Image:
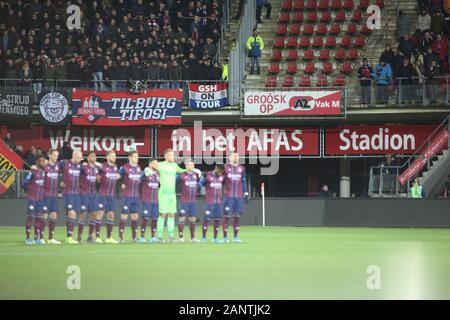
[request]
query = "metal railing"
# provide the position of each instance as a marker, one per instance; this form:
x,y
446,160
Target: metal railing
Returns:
x,y
384,179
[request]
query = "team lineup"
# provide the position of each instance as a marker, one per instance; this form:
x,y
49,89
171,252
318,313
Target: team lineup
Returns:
x,y
89,190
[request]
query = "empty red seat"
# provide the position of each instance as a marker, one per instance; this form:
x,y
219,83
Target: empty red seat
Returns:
x,y
317,42
291,42
308,29
305,42
311,4
323,5
284,17
351,28
278,42
271,82
274,68
339,54
352,54
282,29
308,55
380,3
346,41
346,67
335,29
292,54
326,16
297,17
310,68
295,29
276,55
299,5
327,67
340,16
339,81
336,5
348,5
322,81
321,29
312,16
364,29
360,41
286,5
357,16
288,81
324,54
305,81
292,68
363,4
330,42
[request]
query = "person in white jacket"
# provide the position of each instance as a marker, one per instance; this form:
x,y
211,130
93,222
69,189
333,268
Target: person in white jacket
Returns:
x,y
423,21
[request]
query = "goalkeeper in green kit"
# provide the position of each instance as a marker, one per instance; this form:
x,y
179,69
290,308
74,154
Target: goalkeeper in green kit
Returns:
x,y
167,196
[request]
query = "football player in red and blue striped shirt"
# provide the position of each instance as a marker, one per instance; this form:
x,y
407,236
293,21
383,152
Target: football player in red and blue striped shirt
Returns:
x,y
50,208
149,199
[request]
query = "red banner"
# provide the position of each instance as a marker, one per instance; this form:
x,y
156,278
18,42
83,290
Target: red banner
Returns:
x,y
434,148
252,141
97,139
9,162
375,139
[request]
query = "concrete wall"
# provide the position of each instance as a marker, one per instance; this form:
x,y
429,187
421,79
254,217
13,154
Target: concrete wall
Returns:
x,y
308,212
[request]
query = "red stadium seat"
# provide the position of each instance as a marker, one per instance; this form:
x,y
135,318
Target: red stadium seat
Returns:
x,y
284,17
364,29
340,16
363,4
299,5
321,29
352,54
276,55
305,42
326,16
292,54
348,5
286,5
324,54
278,43
346,67
311,4
335,29
339,54
281,29
327,67
292,68
330,42
271,82
295,29
308,29
317,42
305,81
274,68
360,41
336,5
291,42
323,5
312,16
339,81
322,81
357,16
308,55
297,17
346,41
380,3
310,68
288,81
351,28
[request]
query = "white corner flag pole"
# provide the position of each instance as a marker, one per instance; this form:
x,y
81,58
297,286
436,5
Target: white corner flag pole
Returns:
x,y
263,205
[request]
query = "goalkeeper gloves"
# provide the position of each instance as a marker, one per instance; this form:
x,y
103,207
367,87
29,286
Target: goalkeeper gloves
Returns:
x,y
197,172
148,172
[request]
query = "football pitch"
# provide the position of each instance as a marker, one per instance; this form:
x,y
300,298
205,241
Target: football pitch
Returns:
x,y
271,263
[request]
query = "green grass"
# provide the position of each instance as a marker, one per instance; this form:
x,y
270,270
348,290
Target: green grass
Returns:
x,y
272,263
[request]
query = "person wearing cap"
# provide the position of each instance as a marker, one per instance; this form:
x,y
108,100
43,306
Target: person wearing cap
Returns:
x,y
365,79
255,44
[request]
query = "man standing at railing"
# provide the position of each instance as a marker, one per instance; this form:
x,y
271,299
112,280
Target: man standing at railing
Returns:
x,y
383,76
255,45
417,191
365,79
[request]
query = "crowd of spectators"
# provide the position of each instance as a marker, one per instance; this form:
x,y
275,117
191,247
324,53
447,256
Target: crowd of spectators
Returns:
x,y
118,40
416,67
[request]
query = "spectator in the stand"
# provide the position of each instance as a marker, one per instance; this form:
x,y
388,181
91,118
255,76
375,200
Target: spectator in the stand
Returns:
x,y
73,71
383,77
66,151
121,75
239,11
96,63
30,156
403,25
25,74
388,55
405,75
418,80
432,73
153,73
435,5
10,72
423,22
426,42
259,6
325,192
38,74
19,151
417,190
437,23
429,57
447,52
209,48
61,73
85,74
255,45
136,70
365,79
9,141
406,46
175,74
440,47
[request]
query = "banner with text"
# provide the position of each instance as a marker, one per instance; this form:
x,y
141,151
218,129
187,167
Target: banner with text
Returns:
x,y
123,108
371,139
9,162
293,103
208,96
250,141
15,106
